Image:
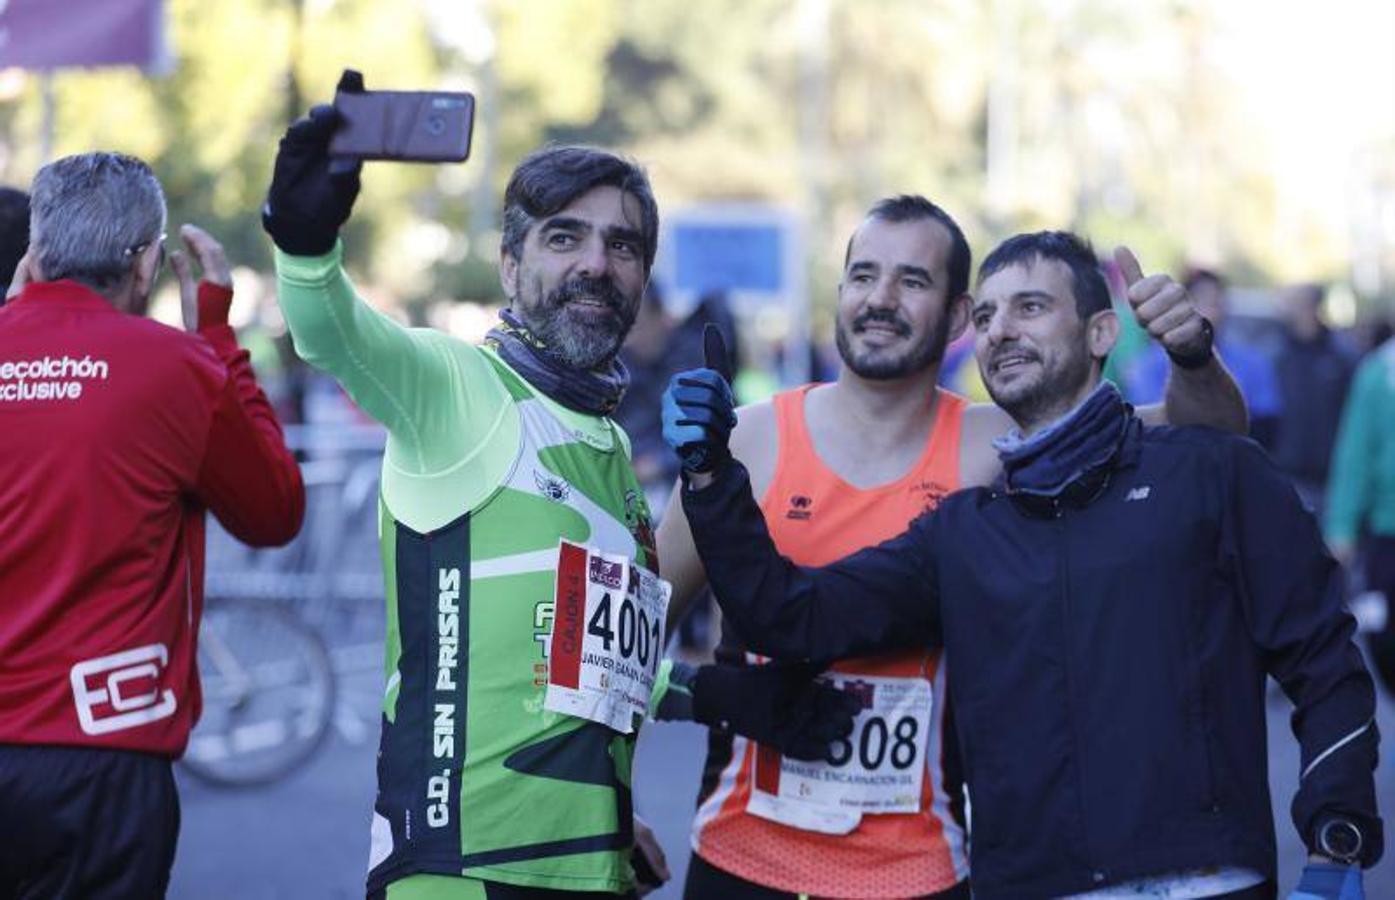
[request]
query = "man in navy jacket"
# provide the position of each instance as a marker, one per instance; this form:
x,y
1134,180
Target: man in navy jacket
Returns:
x,y
1109,611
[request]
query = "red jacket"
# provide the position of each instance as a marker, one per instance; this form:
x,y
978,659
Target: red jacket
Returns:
x,y
116,433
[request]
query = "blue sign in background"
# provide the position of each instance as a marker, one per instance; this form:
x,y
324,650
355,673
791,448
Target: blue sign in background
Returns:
x,y
728,256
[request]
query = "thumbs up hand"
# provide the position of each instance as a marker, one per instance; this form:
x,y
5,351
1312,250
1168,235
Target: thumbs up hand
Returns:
x,y
1167,313
699,410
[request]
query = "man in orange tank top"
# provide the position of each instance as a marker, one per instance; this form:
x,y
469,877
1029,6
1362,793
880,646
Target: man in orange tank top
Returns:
x,y
845,465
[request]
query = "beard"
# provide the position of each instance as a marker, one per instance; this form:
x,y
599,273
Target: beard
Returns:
x,y
886,364
582,339
1043,397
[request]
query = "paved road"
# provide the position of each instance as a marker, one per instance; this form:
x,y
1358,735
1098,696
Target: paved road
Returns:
x,y
307,837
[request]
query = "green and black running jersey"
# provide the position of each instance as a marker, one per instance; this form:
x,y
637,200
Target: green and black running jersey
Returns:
x,y
482,478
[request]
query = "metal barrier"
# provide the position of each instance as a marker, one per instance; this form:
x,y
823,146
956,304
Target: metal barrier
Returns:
x,y
334,560
330,574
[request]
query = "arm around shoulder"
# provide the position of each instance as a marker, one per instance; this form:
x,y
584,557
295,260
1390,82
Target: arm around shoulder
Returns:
x,y
1204,395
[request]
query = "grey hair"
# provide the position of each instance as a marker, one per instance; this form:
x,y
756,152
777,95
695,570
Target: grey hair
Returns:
x,y
549,179
91,213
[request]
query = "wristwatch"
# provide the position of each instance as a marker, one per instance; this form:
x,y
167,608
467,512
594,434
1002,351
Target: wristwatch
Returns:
x,y
1197,358
1341,840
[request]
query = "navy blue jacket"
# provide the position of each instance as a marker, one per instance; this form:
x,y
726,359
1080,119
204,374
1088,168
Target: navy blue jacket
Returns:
x,y
1106,660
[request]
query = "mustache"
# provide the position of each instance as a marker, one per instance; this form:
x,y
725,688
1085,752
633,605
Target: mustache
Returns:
x,y
601,288
1012,350
885,317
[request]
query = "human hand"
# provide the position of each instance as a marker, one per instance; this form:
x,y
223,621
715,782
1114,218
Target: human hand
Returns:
x,y
312,193
650,865
699,410
212,263
780,705
1166,312
1329,881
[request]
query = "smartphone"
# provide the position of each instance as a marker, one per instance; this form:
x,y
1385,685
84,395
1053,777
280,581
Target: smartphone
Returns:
x,y
407,126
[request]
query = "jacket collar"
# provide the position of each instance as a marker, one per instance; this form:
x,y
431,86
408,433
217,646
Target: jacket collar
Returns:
x,y
1085,439
65,293
1086,487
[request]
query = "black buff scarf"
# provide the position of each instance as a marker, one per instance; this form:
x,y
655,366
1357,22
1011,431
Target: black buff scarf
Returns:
x,y
1078,443
595,392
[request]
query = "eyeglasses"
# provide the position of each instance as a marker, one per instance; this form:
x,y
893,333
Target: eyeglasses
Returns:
x,y
138,249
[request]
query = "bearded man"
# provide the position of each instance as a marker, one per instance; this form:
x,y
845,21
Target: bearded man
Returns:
x,y
502,771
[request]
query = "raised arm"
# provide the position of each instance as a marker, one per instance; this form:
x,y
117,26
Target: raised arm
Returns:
x,y
396,374
755,442
248,477
1206,395
1200,390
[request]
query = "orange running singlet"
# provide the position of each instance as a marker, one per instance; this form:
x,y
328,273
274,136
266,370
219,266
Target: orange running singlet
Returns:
x,y
816,517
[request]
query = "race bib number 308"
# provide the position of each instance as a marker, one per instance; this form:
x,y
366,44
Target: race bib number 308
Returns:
x,y
879,768
607,637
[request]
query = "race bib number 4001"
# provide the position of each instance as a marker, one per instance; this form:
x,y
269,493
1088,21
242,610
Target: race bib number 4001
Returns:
x,y
607,637
879,768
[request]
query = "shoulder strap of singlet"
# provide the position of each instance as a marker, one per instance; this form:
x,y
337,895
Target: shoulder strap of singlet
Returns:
x,y
946,437
793,445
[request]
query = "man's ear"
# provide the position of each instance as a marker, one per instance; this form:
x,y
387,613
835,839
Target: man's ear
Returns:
x,y
1101,333
508,274
959,315
147,269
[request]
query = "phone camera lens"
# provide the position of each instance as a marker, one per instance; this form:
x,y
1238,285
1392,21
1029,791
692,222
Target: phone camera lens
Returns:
x,y
435,126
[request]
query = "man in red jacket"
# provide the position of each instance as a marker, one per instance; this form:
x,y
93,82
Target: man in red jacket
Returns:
x,y
116,434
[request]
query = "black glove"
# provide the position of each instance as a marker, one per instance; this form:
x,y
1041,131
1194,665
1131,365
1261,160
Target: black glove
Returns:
x,y
645,873
312,194
780,705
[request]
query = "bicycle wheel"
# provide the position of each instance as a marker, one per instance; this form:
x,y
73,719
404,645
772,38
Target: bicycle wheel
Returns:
x,y
268,693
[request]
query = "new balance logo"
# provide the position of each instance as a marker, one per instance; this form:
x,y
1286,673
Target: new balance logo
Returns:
x,y
1139,493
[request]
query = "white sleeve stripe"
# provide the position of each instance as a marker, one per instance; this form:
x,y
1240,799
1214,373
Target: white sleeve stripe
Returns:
x,y
1334,748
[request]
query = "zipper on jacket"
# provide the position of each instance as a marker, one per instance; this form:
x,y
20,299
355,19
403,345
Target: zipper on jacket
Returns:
x,y
1062,530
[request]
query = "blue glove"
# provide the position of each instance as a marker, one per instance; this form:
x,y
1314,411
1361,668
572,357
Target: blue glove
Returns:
x,y
1329,881
699,410
699,414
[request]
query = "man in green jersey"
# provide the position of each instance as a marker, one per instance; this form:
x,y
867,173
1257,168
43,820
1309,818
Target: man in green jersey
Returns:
x,y
489,787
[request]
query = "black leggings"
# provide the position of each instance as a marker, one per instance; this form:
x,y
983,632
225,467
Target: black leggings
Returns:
x,y
85,822
707,882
